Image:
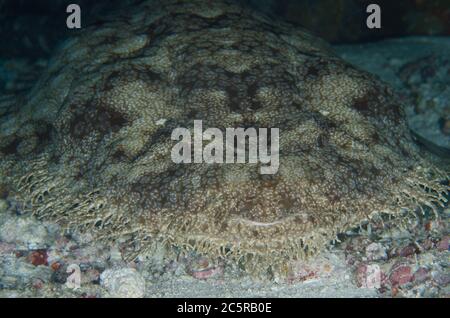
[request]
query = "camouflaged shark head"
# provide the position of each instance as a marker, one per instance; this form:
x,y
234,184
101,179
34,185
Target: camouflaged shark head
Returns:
x,y
90,146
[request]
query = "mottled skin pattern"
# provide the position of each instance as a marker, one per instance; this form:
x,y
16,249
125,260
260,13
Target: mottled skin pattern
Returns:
x,y
91,143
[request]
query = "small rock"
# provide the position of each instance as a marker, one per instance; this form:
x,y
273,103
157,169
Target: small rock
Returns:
x,y
8,282
394,291
123,283
90,276
361,275
208,273
6,248
421,275
59,274
441,278
400,275
37,283
369,276
407,251
21,272
55,266
427,244
25,232
38,257
376,251
443,244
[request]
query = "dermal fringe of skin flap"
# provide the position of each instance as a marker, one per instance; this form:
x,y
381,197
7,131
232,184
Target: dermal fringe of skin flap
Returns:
x,y
91,146
237,142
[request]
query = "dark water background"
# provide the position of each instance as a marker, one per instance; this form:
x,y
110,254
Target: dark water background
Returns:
x,y
32,28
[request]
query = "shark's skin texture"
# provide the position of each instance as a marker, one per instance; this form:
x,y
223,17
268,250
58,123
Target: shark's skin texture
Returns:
x,y
90,146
